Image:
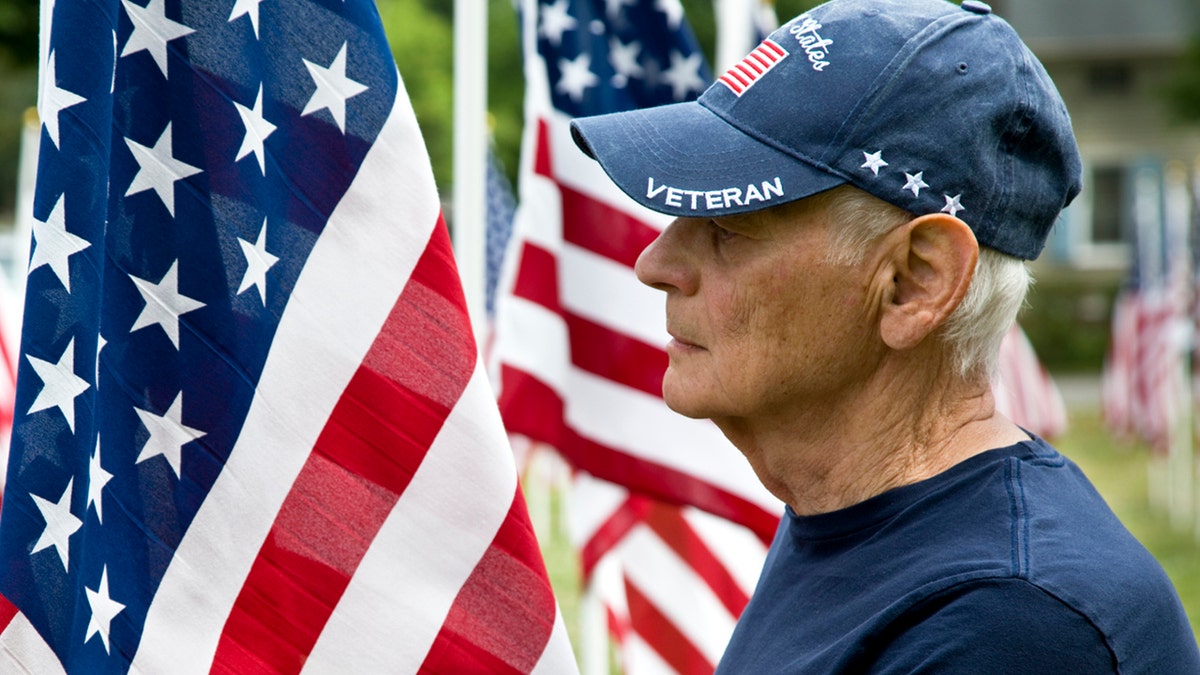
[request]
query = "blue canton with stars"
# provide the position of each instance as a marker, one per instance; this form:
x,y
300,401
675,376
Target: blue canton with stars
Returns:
x,y
646,54
191,154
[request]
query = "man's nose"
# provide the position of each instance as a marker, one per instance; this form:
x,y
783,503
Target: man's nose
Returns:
x,y
663,264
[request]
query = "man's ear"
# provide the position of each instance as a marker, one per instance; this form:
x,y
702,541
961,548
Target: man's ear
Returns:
x,y
933,259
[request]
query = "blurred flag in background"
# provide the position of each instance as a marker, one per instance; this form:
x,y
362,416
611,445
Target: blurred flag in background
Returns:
x,y
671,523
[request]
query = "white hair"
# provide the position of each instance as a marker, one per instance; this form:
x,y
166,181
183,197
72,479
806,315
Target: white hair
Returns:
x,y
974,330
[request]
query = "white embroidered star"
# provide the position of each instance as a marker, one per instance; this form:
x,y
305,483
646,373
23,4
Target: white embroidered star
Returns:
x,y
257,131
54,246
914,182
60,524
258,262
624,60
576,76
152,30
97,479
158,169
60,384
164,303
333,88
674,11
684,74
104,610
874,161
53,100
556,20
248,8
953,204
168,435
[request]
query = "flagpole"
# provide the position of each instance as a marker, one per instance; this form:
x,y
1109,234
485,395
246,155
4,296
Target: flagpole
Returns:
x,y
468,220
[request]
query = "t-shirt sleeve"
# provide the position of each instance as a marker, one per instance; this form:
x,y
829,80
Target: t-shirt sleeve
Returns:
x,y
994,626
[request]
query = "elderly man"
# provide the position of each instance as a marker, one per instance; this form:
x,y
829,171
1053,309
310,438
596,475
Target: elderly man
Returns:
x,y
855,202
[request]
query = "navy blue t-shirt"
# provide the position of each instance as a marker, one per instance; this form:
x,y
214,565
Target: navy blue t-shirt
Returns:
x,y
1010,562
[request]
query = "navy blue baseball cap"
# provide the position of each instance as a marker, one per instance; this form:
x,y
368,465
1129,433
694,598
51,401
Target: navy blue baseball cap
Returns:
x,y
924,104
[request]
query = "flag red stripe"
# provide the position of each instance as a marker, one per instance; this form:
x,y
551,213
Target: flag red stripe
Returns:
x,y
364,458
537,277
7,612
772,47
527,404
616,356
622,238
503,615
663,636
671,527
594,348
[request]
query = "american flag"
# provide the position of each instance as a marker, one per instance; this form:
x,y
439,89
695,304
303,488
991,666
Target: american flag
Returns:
x,y
1025,392
579,347
253,433
1144,386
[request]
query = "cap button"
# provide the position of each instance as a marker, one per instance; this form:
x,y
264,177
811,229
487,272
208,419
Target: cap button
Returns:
x,y
977,7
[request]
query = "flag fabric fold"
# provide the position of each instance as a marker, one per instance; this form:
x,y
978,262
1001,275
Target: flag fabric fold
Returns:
x,y
252,430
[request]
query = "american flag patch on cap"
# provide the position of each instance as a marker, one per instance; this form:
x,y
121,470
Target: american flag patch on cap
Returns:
x,y
756,64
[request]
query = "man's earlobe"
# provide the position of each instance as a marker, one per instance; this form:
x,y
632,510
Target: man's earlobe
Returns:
x,y
933,257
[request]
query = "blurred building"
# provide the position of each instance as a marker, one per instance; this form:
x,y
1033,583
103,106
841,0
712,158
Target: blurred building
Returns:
x,y
1111,59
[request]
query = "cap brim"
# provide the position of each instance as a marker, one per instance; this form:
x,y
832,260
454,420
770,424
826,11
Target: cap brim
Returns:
x,y
683,160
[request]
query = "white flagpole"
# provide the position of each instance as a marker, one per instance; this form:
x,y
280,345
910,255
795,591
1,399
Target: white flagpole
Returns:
x,y
469,218
735,31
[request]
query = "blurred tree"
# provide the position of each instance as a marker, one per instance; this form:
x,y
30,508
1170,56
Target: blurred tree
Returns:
x,y
18,89
1182,93
19,33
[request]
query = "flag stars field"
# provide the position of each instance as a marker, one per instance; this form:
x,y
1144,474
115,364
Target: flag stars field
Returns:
x,y
158,169
104,610
60,525
164,304
247,8
258,129
53,100
152,30
168,435
333,88
60,384
258,263
54,246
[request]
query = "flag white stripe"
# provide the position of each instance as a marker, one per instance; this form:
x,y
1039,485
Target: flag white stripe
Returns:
x,y
626,305
648,429
558,657
320,342
433,534
534,339
592,503
677,591
22,650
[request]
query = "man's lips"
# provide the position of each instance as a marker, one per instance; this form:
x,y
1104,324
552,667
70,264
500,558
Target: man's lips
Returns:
x,y
678,342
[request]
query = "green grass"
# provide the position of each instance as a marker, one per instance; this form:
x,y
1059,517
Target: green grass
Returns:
x,y
1119,471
